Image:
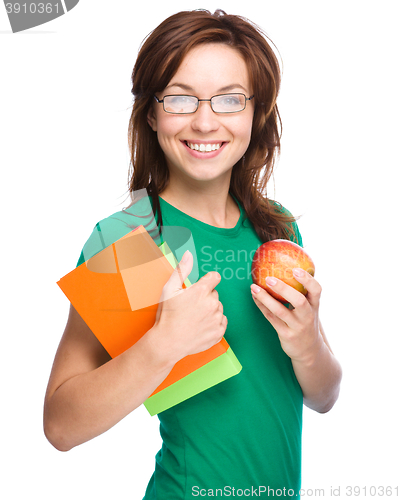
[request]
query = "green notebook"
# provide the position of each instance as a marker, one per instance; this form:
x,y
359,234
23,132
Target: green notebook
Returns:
x,y
219,369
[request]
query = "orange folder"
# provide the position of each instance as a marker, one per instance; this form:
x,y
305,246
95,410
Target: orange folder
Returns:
x,y
117,292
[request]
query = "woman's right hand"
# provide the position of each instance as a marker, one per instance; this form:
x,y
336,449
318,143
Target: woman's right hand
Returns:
x,y
189,320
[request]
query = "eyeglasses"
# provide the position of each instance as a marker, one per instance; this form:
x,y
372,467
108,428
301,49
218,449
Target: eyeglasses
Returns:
x,y
187,104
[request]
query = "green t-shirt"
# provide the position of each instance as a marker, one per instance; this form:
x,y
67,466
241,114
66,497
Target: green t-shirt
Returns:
x,y
244,434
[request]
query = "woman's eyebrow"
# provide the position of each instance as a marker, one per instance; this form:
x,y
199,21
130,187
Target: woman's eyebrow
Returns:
x,y
183,86
188,88
228,88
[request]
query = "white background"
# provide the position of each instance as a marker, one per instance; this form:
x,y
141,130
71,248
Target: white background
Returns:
x,y
64,108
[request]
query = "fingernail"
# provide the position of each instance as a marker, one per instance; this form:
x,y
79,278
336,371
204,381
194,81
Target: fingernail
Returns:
x,y
271,281
186,256
255,288
298,272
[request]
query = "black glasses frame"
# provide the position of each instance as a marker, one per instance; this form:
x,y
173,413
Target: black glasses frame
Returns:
x,y
162,101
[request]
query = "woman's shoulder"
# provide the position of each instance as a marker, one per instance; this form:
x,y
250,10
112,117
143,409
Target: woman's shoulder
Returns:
x,y
117,225
278,207
294,234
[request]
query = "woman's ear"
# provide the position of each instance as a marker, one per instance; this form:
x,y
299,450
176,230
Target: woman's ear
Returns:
x,y
151,118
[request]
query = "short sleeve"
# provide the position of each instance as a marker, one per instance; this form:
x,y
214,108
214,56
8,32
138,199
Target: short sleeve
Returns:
x,y
114,227
296,238
81,260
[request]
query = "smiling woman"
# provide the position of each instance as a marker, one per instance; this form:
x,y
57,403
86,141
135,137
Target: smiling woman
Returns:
x,y
240,61
204,133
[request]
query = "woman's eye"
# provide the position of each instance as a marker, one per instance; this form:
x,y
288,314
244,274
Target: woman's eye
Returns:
x,y
181,99
229,101
232,100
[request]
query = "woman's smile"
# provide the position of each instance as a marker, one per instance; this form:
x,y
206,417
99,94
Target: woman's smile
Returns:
x,y
204,149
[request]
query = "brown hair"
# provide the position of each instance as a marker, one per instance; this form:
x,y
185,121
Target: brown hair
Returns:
x,y
158,60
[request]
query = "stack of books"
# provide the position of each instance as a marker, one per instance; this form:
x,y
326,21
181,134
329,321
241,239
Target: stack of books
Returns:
x,y
117,292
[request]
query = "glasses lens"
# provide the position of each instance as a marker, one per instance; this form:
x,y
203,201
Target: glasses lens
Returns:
x,y
228,103
180,103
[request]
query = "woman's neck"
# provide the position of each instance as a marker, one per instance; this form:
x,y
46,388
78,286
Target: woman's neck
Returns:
x,y
215,209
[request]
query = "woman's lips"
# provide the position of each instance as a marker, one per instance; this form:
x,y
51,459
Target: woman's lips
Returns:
x,y
204,149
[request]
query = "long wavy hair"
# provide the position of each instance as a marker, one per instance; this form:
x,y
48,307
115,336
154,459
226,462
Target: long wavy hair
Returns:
x,y
158,60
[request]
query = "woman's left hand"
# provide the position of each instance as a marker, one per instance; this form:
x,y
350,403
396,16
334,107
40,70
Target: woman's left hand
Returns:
x,y
297,328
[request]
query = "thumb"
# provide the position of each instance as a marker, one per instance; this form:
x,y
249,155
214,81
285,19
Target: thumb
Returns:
x,y
174,285
212,279
179,275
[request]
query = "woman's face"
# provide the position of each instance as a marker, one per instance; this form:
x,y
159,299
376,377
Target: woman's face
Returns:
x,y
207,70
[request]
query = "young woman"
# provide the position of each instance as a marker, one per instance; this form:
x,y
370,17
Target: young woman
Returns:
x,y
204,134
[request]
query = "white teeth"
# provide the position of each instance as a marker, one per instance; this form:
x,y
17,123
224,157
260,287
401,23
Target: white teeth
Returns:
x,y
204,148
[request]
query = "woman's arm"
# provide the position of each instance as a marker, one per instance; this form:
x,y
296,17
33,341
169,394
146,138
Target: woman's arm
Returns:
x,y
319,376
302,338
88,392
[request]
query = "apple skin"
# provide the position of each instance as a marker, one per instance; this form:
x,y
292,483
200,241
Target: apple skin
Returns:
x,y
278,258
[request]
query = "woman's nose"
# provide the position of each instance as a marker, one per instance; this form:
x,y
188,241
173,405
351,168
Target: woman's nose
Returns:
x,y
204,119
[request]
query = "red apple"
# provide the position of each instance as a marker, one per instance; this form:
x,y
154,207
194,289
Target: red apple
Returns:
x,y
278,258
